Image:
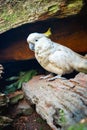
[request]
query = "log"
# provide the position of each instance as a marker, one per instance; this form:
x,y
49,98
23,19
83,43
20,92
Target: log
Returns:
x,y
61,103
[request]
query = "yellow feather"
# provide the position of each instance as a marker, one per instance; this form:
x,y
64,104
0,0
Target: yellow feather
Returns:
x,y
48,33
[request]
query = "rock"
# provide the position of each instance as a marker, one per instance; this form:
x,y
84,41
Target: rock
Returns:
x,y
4,100
15,13
82,125
1,70
15,97
81,79
22,108
61,103
84,121
5,121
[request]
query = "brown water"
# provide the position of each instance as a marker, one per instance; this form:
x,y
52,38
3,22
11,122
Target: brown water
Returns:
x,y
69,32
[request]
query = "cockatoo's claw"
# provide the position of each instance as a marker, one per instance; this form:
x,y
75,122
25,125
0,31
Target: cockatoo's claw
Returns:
x,y
50,78
46,77
56,77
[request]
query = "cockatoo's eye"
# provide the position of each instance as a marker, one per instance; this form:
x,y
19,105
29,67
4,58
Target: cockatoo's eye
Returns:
x,y
36,40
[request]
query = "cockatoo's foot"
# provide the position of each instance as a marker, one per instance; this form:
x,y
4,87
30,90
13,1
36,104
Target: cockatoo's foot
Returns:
x,y
50,78
47,76
56,77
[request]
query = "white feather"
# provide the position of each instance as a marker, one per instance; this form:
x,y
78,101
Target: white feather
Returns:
x,y
56,58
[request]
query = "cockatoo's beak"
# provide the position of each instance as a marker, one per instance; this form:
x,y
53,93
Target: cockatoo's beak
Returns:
x,y
48,33
32,46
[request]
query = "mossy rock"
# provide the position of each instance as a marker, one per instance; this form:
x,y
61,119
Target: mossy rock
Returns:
x,y
17,12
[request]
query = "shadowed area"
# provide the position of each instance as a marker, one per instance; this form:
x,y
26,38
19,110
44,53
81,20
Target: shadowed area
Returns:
x,y
71,32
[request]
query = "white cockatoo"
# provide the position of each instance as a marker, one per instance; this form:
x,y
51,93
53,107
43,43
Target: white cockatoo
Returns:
x,y
55,57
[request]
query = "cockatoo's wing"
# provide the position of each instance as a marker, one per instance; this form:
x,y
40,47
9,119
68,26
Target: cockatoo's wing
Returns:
x,y
61,61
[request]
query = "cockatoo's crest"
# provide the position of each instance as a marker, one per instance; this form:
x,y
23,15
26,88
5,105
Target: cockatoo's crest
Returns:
x,y
48,33
34,37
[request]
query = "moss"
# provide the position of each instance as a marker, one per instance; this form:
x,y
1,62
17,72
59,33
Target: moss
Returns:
x,y
15,99
75,4
40,120
17,12
78,126
10,15
53,9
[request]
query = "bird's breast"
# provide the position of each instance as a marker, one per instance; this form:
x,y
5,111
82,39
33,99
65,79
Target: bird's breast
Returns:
x,y
42,57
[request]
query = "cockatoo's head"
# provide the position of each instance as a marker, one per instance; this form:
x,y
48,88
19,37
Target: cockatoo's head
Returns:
x,y
33,38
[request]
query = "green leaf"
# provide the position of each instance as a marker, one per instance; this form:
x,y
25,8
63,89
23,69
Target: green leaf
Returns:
x,y
16,98
19,85
23,77
22,73
78,126
12,78
62,119
9,89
